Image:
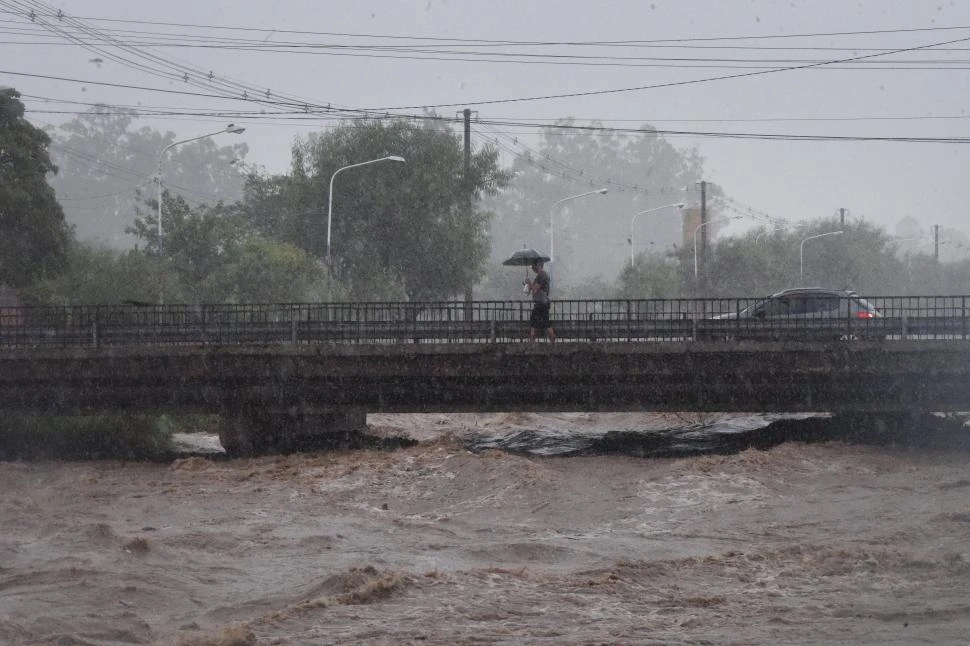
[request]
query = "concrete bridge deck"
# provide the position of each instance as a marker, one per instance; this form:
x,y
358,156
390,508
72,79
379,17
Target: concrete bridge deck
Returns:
x,y
269,386
740,376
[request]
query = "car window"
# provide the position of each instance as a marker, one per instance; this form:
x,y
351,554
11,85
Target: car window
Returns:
x,y
801,304
824,304
777,307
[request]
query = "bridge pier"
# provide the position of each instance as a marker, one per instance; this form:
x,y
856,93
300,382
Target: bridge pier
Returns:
x,y
255,428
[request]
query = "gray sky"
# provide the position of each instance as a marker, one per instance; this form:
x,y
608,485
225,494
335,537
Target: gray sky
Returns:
x,y
881,181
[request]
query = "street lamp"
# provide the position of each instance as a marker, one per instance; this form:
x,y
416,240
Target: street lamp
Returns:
x,y
231,128
552,211
801,250
763,234
393,158
679,205
704,224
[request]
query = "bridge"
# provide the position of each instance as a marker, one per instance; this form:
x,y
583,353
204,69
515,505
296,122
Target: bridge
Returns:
x,y
278,373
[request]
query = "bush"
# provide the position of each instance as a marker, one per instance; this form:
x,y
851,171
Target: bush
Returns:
x,y
38,437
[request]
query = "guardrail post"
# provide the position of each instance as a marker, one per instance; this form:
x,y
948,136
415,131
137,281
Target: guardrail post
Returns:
x,y
963,317
293,330
94,333
905,325
492,330
693,329
629,321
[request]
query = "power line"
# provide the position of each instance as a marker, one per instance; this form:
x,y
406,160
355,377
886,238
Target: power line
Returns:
x,y
413,53
481,41
673,83
190,77
156,65
434,54
576,127
141,110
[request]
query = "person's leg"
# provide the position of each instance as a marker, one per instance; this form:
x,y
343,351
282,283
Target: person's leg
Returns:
x,y
535,322
544,324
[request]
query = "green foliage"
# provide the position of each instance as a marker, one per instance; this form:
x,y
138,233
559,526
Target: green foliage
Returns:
x,y
416,226
99,276
863,258
591,232
210,255
265,271
34,437
653,275
103,158
33,234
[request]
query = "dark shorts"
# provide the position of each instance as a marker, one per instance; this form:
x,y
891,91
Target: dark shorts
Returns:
x,y
540,316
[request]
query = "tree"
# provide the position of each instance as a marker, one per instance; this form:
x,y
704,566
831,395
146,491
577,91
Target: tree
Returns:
x,y
641,171
267,271
862,259
107,166
655,275
210,255
400,224
99,276
34,236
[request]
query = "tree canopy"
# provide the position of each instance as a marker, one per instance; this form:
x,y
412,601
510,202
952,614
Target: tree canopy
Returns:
x,y
34,236
640,171
209,255
863,258
418,225
108,164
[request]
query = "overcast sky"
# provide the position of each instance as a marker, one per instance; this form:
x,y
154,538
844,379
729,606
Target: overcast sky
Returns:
x,y
921,93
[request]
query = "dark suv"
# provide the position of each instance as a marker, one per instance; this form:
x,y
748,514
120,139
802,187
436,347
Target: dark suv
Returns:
x,y
803,312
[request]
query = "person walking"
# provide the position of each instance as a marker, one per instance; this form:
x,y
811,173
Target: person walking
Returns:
x,y
539,288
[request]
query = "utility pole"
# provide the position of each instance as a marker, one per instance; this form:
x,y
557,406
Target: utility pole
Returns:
x,y
936,242
704,217
842,218
469,295
703,227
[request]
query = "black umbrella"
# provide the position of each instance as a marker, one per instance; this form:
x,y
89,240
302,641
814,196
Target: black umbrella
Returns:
x,y
525,258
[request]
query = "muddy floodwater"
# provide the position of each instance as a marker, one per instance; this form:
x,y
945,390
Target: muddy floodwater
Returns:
x,y
487,531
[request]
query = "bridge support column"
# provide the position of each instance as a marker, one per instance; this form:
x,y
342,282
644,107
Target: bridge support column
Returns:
x,y
256,429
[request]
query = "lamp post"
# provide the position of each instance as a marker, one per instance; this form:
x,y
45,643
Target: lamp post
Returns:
x,y
679,205
764,233
801,250
702,225
231,128
552,211
393,158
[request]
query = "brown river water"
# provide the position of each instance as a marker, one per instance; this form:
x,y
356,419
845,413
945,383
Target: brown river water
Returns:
x,y
828,542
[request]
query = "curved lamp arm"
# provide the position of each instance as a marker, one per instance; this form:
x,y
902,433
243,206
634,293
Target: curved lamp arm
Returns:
x,y
231,128
552,211
801,250
702,225
393,158
679,205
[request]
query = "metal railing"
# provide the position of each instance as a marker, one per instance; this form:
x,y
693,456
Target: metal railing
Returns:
x,y
631,320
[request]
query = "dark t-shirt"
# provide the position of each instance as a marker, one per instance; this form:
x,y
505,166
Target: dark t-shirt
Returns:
x,y
544,283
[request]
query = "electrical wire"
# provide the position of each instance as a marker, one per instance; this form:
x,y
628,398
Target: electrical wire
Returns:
x,y
569,95
480,41
187,77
